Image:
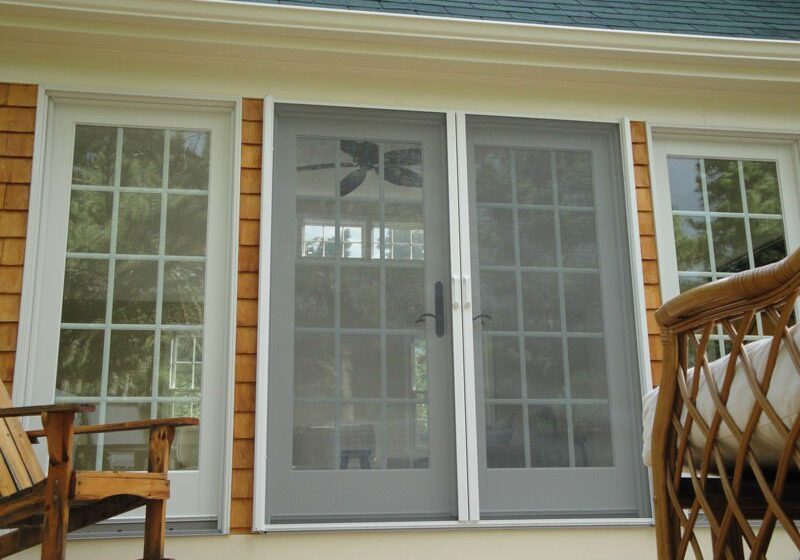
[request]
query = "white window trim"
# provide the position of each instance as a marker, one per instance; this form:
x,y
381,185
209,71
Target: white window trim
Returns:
x,y
464,379
753,144
33,271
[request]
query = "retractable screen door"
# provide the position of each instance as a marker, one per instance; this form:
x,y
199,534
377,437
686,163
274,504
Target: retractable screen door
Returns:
x,y
360,356
555,342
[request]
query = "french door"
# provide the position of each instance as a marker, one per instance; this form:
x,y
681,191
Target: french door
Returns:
x,y
132,313
368,415
361,367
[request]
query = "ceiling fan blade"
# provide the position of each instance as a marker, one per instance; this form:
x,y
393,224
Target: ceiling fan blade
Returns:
x,y
352,181
316,166
408,156
402,176
349,147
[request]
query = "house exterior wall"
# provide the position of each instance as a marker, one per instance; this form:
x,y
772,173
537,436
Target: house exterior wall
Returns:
x,y
136,67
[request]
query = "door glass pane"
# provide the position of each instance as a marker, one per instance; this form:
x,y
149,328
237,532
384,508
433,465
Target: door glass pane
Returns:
x,y
735,222
545,220
134,287
359,243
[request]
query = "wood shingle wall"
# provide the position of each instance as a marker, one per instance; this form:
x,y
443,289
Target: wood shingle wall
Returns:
x,y
246,318
17,122
647,233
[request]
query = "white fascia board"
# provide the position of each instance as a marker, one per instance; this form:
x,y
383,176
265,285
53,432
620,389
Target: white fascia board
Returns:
x,y
235,27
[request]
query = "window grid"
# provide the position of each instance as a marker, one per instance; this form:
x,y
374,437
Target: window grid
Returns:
x,y
108,326
382,261
720,339
521,333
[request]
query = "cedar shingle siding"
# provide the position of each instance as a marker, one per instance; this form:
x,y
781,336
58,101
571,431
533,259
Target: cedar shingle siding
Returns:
x,y
17,122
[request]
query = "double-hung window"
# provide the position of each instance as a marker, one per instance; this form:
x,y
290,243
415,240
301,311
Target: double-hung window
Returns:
x,y
451,321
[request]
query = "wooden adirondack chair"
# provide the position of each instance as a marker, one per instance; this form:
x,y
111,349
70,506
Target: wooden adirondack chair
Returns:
x,y
44,508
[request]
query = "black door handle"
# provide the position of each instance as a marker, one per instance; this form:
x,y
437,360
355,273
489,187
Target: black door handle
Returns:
x,y
438,308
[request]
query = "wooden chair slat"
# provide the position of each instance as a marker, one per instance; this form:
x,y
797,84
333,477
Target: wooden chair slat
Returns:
x,y
7,485
12,458
24,448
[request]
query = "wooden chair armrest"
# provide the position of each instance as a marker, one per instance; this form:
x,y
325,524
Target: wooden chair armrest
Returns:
x,y
734,294
124,426
39,409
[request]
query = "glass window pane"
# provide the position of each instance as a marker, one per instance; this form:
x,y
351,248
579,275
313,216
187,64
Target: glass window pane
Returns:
x,y
691,243
360,293
578,240
314,295
498,291
501,367
534,176
80,363
540,301
496,236
505,437
492,174
584,302
180,364
189,152
574,178
142,157
361,366
544,367
592,435
89,228
94,155
587,368
761,187
126,451
139,226
85,291
685,183
402,171
130,364
185,451
85,445
359,169
314,436
687,282
769,241
186,225
135,292
537,238
314,365
316,166
406,437
183,293
730,244
361,436
548,436
724,189
406,366
405,297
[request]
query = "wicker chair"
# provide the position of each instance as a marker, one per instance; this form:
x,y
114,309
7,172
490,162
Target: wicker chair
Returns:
x,y
687,483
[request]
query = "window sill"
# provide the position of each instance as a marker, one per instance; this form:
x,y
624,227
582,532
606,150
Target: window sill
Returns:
x,y
205,526
484,524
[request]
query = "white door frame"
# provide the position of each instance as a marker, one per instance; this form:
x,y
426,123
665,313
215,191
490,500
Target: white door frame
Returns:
x,y
464,374
34,269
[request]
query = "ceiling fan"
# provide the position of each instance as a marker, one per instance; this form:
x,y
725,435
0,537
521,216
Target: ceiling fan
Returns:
x,y
366,159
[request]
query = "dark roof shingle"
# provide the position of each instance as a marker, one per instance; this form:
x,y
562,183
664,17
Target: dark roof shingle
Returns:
x,y
762,19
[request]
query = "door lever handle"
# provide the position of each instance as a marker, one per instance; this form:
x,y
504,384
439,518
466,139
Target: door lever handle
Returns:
x,y
438,314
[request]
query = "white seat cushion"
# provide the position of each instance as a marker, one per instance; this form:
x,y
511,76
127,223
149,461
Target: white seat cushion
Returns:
x,y
783,394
